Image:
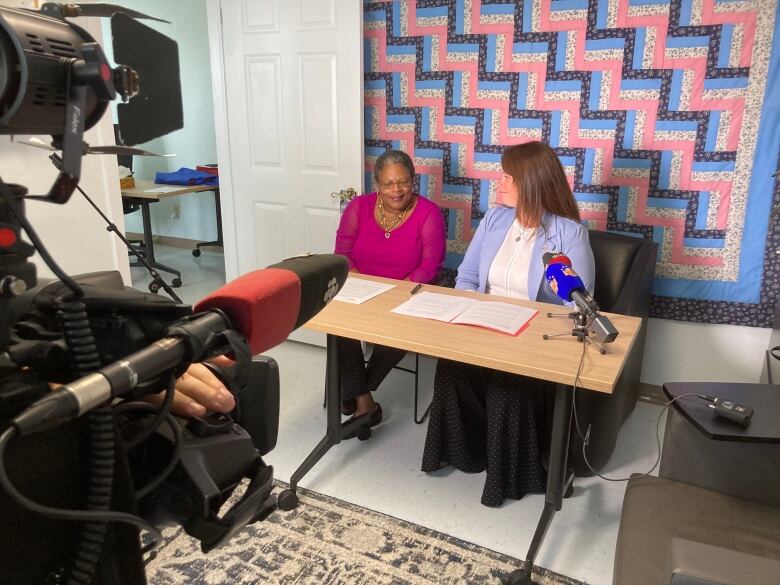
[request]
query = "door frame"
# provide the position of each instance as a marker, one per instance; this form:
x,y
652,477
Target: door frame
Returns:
x,y
219,90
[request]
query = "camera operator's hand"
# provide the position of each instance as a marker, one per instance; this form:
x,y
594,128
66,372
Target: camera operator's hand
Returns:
x,y
198,390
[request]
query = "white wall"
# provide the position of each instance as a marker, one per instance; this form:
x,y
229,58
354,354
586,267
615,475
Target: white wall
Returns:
x,y
195,144
74,233
676,351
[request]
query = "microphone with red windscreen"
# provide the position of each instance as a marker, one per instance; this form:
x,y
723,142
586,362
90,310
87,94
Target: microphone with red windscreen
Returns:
x,y
265,306
567,284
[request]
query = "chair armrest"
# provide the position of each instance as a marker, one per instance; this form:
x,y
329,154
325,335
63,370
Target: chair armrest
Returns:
x,y
696,563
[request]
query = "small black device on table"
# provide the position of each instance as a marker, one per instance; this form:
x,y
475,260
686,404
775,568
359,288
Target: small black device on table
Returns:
x,y
729,410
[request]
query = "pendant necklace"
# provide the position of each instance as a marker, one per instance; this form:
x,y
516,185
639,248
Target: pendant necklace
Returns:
x,y
395,223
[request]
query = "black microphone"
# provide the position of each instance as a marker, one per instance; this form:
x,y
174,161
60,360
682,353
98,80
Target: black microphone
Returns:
x,y
265,306
569,286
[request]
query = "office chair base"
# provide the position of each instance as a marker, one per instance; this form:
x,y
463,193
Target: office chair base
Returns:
x,y
197,251
218,242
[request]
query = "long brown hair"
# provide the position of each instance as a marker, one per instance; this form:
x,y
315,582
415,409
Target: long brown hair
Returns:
x,y
541,182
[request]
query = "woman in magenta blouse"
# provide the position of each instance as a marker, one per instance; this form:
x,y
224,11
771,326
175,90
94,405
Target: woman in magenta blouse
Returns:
x,y
394,233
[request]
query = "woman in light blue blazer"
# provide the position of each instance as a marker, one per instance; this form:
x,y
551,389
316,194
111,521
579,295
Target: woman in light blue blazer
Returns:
x,y
482,419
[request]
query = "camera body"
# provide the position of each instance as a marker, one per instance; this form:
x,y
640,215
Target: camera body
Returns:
x,y
50,468
66,478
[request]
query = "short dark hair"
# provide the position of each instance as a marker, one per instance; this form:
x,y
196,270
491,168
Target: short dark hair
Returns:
x,y
393,157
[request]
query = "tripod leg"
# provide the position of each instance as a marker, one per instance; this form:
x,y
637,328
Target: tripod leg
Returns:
x,y
600,348
551,335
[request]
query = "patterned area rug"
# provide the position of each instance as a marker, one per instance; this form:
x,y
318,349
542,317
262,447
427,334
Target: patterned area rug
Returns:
x,y
327,541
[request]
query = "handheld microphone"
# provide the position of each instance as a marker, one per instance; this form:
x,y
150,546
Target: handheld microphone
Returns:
x,y
565,283
265,306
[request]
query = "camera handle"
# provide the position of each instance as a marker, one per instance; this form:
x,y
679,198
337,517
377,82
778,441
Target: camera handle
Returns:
x,y
256,503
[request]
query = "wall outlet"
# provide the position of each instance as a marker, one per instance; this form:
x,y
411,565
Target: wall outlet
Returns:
x,y
176,211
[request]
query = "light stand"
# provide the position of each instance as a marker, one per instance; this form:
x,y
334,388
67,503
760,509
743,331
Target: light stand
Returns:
x,y
157,281
581,329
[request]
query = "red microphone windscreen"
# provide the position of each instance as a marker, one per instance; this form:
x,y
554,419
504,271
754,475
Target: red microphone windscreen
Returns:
x,y
262,305
555,258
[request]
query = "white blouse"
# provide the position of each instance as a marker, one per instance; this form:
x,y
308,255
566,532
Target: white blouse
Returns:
x,y
508,274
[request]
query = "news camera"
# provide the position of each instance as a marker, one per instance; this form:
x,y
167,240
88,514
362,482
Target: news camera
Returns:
x,y
73,487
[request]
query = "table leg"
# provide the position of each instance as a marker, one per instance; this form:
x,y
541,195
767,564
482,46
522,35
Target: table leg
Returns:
x,y
149,245
558,479
288,498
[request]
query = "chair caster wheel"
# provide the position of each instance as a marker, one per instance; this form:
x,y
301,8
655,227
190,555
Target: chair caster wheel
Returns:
x,y
176,282
196,252
363,433
153,287
287,500
519,577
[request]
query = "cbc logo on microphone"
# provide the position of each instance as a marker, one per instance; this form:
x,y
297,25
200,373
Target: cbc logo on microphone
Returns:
x,y
331,291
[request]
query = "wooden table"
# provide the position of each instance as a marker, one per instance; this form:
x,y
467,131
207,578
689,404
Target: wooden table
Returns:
x,y
555,360
143,194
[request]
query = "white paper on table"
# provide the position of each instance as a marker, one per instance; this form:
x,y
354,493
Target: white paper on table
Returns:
x,y
430,305
359,290
166,189
496,315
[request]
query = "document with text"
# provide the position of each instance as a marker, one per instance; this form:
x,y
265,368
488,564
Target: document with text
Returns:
x,y
359,290
504,317
166,189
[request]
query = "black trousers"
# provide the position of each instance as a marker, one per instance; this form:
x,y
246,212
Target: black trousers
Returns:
x,y
359,377
486,420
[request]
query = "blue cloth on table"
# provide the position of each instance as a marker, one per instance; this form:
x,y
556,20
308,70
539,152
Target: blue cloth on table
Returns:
x,y
185,176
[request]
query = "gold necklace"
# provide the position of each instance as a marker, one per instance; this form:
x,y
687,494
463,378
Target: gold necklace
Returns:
x,y
397,221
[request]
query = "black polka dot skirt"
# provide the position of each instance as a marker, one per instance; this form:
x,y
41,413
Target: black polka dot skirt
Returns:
x,y
486,420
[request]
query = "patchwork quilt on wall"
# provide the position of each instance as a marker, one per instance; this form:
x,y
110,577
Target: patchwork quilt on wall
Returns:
x,y
665,115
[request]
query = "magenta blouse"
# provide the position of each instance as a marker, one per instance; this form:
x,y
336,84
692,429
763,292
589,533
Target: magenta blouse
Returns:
x,y
414,250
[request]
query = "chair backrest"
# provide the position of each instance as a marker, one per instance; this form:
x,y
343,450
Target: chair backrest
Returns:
x,y
625,268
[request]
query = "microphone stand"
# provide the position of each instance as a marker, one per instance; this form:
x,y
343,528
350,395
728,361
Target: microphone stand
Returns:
x,y
581,329
157,281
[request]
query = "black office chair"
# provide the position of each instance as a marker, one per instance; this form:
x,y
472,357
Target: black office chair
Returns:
x,y
625,269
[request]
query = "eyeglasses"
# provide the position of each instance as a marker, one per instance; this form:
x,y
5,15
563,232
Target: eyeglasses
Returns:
x,y
404,184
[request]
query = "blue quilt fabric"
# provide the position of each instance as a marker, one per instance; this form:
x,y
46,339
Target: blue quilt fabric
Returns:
x,y
185,176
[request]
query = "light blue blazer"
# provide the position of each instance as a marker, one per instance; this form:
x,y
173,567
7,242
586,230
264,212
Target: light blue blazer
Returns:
x,y
557,234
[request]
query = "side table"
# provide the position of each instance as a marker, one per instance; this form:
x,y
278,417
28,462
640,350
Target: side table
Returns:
x,y
707,451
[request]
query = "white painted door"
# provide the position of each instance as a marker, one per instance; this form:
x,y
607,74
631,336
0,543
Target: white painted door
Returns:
x,y
292,75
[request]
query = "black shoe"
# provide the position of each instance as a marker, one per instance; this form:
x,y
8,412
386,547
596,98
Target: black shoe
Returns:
x,y
348,406
374,419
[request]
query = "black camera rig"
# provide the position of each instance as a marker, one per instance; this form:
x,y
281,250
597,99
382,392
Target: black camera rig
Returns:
x,y
72,490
